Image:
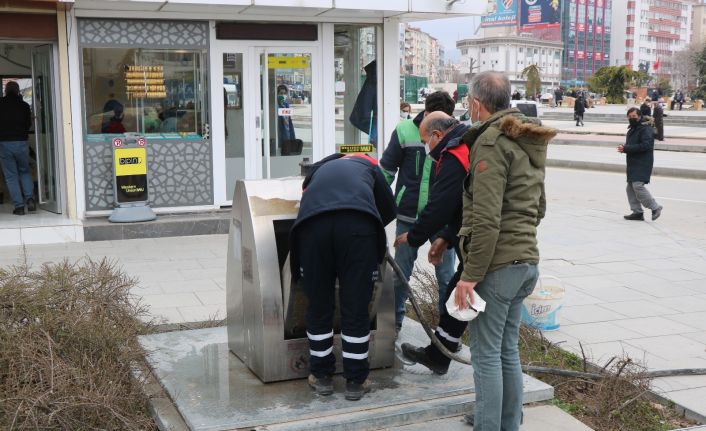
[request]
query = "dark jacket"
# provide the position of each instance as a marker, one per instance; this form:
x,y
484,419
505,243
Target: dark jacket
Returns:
x,y
352,182
443,211
15,119
639,152
364,115
405,158
580,105
503,197
645,109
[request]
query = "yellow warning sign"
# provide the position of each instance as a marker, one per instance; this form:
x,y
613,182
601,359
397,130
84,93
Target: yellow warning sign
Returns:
x,y
359,148
130,161
300,62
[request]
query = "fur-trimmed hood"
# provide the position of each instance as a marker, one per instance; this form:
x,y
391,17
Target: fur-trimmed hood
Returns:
x,y
526,132
521,127
530,135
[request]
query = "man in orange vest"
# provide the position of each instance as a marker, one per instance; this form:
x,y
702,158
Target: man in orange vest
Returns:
x,y
441,134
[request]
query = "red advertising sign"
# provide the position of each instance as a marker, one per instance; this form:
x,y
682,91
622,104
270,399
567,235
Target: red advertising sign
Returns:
x,y
117,142
581,55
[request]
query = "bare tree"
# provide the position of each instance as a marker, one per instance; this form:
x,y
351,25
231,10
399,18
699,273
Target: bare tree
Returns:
x,y
684,69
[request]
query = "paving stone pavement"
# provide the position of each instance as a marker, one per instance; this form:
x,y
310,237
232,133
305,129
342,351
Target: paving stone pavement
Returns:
x,y
632,287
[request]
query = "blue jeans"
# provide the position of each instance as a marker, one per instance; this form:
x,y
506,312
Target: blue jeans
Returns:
x,y
405,256
14,158
494,351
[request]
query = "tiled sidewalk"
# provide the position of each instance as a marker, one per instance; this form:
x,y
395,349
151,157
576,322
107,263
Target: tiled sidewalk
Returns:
x,y
632,288
181,279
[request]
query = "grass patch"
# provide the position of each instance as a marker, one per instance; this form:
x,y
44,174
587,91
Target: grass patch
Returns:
x,y
68,344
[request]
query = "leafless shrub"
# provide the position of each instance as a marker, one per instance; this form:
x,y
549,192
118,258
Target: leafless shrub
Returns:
x,y
67,345
426,289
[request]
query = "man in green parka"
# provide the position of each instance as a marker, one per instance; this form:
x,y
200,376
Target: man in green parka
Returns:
x,y
503,202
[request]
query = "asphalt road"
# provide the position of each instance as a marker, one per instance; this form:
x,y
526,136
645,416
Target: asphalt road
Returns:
x,y
684,200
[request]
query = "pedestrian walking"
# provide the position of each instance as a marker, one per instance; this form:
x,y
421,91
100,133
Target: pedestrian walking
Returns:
x,y
678,99
579,108
558,96
15,122
339,234
503,202
406,159
639,158
658,117
646,108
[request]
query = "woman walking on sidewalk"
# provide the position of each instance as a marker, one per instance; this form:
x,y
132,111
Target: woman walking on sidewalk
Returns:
x,y
639,151
579,109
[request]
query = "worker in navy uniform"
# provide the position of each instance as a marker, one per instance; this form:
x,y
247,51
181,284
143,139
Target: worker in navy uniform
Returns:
x,y
442,134
340,233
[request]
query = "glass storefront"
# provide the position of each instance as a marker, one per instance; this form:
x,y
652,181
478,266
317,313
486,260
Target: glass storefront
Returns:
x,y
155,93
140,80
355,51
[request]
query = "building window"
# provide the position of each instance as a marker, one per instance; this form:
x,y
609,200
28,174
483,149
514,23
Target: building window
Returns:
x,y
519,49
464,51
482,50
153,92
356,50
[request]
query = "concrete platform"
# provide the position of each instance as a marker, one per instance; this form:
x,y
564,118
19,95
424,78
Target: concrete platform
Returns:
x,y
214,391
537,418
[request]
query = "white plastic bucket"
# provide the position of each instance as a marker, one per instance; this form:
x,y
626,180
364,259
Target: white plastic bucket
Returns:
x,y
541,309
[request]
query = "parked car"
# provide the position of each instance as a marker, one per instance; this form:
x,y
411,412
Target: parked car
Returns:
x,y
528,107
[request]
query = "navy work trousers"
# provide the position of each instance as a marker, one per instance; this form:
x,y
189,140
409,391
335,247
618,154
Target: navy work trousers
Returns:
x,y
339,244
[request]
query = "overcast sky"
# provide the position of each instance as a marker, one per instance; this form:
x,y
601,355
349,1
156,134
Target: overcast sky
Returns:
x,y
448,31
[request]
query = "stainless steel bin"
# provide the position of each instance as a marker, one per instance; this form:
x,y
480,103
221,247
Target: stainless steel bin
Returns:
x,y
265,309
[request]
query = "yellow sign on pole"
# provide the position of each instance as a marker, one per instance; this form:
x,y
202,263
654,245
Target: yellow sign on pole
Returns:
x,y
300,62
358,148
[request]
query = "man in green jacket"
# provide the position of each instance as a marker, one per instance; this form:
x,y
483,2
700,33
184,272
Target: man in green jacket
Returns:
x,y
503,202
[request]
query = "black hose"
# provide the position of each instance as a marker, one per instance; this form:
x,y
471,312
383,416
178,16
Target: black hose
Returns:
x,y
415,305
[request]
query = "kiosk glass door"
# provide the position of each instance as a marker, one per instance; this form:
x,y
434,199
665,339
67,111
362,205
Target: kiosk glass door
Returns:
x,y
286,102
234,119
45,133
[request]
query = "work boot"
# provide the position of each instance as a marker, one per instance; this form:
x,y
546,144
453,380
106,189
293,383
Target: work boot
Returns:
x,y
420,355
656,213
19,211
355,391
635,216
322,385
31,205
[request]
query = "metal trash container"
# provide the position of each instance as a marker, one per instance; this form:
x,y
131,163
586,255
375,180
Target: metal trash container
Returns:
x,y
265,309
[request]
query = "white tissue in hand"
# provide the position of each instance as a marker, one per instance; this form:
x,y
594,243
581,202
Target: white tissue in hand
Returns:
x,y
466,314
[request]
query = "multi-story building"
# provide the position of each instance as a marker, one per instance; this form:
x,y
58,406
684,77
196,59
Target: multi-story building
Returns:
x,y
421,54
698,23
586,32
511,54
654,31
